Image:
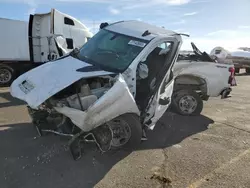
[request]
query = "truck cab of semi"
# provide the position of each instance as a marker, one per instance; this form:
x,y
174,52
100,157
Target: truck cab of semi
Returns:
x,y
44,38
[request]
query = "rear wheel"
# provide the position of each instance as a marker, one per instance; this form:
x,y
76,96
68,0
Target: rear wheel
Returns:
x,y
187,102
6,75
248,70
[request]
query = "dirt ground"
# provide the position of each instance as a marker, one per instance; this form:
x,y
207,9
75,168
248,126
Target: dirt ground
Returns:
x,y
211,151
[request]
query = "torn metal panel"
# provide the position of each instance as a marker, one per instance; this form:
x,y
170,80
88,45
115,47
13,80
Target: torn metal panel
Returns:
x,y
158,107
116,101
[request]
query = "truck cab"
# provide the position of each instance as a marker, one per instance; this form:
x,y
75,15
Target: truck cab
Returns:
x,y
55,34
44,38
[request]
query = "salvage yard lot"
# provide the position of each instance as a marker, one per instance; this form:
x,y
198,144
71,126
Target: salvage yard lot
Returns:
x,y
212,150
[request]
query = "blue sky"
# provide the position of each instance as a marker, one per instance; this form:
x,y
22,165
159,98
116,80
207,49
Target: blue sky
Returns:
x,y
209,22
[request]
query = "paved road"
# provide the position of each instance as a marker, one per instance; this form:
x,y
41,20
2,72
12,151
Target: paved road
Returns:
x,y
212,150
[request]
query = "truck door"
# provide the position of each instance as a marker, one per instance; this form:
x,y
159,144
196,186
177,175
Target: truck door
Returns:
x,y
40,27
74,33
164,84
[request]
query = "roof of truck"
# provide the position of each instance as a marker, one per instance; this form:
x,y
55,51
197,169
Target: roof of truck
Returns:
x,y
136,28
12,20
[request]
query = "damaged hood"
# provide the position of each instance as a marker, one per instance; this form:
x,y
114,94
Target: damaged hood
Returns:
x,y
39,84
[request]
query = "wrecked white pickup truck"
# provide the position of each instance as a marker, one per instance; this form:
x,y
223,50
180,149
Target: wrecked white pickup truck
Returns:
x,y
103,92
198,77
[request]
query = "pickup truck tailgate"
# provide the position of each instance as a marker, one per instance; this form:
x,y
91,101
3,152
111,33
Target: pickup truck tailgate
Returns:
x,y
228,70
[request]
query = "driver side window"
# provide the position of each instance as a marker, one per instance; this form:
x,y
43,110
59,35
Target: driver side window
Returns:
x,y
155,61
164,45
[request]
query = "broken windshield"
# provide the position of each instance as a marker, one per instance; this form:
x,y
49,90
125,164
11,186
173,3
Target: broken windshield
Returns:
x,y
111,51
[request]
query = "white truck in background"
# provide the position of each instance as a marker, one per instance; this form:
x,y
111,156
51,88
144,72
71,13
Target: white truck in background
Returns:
x,y
46,37
198,77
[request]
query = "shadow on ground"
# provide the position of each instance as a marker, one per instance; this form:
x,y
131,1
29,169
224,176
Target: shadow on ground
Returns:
x,y
11,100
31,162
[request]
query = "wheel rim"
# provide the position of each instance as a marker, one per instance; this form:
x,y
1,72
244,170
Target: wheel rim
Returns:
x,y
121,132
5,76
188,104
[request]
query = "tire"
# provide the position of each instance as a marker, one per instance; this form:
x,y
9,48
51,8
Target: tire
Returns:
x,y
182,96
248,70
236,70
6,75
135,127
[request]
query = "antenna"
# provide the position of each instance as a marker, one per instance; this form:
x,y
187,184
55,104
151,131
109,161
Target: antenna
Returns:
x,y
186,35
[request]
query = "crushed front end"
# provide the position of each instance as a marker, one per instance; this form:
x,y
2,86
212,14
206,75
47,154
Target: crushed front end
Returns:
x,y
84,111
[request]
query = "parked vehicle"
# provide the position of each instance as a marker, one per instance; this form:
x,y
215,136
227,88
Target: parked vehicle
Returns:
x,y
198,77
44,38
110,90
239,57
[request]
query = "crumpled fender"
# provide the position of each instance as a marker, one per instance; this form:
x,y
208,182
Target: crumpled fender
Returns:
x,y
115,102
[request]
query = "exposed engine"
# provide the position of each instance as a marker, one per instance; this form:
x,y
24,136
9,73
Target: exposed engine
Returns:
x,y
81,94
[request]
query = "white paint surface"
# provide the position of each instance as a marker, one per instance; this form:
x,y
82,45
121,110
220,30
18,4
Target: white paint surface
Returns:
x,y
215,77
14,40
50,78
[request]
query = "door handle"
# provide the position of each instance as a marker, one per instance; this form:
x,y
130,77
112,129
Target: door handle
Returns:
x,y
164,101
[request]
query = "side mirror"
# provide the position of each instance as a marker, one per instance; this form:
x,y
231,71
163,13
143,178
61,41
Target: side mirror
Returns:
x,y
75,51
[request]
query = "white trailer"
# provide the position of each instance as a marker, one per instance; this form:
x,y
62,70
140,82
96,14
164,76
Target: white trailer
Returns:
x,y
46,37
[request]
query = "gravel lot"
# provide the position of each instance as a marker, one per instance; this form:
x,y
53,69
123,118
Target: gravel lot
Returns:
x,y
212,150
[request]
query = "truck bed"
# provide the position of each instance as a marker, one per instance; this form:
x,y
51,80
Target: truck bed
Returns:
x,y
14,40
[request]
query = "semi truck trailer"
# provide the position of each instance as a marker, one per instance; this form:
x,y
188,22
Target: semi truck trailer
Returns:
x,y
44,38
239,57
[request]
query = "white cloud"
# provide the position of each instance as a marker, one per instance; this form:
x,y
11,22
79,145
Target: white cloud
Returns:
x,y
120,5
190,13
91,1
51,1
225,33
201,1
93,25
170,2
229,39
131,4
177,2
244,27
114,11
